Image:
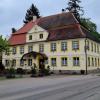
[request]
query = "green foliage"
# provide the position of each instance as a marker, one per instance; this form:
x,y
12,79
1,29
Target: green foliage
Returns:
x,y
11,73
32,11
90,26
75,8
4,45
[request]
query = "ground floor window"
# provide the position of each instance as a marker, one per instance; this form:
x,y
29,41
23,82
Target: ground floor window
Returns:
x,y
7,63
53,61
29,62
92,62
88,61
64,61
76,61
21,63
13,63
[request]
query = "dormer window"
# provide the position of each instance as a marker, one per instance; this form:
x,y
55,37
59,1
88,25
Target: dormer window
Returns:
x,y
41,36
30,37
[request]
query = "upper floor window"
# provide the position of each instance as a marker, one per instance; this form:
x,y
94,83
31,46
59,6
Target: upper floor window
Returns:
x,y
75,45
30,37
63,46
7,52
30,48
53,61
95,47
14,50
53,46
98,48
41,47
64,61
88,45
21,49
92,47
41,36
76,61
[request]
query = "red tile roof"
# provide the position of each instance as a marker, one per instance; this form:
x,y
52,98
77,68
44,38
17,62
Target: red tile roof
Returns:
x,y
60,27
17,39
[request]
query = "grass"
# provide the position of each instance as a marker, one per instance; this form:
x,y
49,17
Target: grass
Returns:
x,y
2,78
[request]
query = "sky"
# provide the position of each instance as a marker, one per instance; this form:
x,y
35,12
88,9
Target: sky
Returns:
x,y
12,12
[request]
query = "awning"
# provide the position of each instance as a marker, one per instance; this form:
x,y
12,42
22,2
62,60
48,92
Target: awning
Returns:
x,y
34,55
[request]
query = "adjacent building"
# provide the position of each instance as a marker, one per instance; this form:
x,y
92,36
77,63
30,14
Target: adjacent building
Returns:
x,y
58,41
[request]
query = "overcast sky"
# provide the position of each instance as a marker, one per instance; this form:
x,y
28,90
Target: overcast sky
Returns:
x,y
12,12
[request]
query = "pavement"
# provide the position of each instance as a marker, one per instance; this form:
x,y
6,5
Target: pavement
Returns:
x,y
58,87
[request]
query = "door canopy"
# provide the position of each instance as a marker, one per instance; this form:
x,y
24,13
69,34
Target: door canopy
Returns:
x,y
34,55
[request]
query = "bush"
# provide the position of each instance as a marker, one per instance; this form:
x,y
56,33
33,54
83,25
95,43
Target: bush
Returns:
x,y
44,71
10,73
20,71
33,72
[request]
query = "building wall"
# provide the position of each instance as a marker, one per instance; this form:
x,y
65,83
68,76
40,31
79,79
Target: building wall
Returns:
x,y
58,54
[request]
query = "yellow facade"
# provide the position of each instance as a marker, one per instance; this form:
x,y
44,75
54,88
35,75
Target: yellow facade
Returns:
x,y
69,54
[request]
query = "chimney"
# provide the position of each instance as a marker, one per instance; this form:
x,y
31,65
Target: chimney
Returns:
x,y
34,18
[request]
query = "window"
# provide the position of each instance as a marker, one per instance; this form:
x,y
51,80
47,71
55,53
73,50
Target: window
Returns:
x,y
95,62
46,61
87,46
95,47
53,61
7,52
98,62
41,36
98,48
88,61
14,63
14,50
76,61
21,49
21,63
53,46
75,45
41,48
63,46
7,63
30,37
30,48
29,62
64,61
92,62
92,47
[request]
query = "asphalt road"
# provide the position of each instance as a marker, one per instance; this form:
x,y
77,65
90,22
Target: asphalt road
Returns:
x,y
52,88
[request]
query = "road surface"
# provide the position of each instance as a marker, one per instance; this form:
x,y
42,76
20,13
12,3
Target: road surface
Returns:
x,y
51,88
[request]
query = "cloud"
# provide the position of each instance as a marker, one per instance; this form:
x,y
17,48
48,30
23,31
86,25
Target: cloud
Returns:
x,y
12,12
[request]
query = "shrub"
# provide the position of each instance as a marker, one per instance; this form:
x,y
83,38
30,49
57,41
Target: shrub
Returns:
x,y
20,71
33,71
10,73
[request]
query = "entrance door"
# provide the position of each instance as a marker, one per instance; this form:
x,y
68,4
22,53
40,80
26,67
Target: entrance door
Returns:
x,y
41,64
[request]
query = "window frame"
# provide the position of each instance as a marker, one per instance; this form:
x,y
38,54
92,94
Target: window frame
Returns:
x,y
75,45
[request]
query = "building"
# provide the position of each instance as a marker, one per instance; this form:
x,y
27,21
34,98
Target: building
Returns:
x,y
58,41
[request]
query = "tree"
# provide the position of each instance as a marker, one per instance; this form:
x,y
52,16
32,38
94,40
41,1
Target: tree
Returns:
x,y
75,8
3,47
32,11
13,30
